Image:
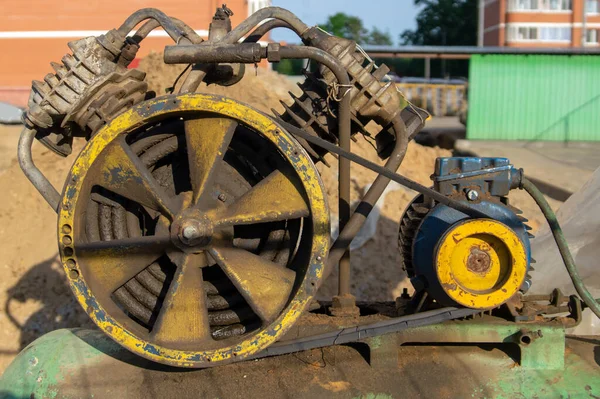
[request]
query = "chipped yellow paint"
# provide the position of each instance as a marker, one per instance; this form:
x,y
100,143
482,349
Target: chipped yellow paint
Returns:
x,y
481,285
71,215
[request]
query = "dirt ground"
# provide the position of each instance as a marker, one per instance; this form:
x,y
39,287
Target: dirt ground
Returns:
x,y
34,296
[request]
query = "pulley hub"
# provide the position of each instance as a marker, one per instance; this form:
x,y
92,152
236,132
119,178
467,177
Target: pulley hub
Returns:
x,y
480,263
192,229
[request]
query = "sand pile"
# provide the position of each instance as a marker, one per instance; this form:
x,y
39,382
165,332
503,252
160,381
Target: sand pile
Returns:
x,y
261,89
33,290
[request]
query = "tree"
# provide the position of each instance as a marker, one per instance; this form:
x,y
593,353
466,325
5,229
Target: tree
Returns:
x,y
445,23
346,26
289,67
378,37
351,27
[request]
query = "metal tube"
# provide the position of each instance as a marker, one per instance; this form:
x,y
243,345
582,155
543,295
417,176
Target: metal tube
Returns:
x,y
292,22
194,78
149,26
151,13
35,176
347,234
265,28
265,13
344,122
245,53
561,243
206,55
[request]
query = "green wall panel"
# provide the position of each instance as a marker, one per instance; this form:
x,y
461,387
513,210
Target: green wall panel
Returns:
x,y
534,97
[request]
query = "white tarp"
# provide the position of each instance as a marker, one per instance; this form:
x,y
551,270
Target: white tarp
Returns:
x,y
579,218
369,229
9,114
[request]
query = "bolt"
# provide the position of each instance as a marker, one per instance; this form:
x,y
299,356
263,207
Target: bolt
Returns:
x,y
479,260
222,197
472,195
190,232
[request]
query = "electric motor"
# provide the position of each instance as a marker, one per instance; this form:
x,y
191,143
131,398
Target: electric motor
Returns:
x,y
459,260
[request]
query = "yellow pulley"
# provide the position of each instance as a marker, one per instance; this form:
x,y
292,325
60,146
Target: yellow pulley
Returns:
x,y
480,263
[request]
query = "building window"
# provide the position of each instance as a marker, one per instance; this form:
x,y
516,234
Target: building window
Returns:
x,y
255,5
539,5
591,7
553,34
526,33
559,5
591,36
539,33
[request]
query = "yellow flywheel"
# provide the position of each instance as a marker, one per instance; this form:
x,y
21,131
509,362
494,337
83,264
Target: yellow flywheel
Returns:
x,y
480,263
194,230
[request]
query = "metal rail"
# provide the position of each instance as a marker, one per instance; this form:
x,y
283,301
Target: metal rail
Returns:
x,y
440,99
465,52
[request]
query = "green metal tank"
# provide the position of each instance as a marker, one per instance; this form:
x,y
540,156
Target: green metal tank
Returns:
x,y
479,358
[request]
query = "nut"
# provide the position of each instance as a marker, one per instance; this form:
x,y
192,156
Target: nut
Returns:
x,y
190,232
472,195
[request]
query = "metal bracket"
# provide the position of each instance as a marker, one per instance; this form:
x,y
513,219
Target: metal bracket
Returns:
x,y
542,346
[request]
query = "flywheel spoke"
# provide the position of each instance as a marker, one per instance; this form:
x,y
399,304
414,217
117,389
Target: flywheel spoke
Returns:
x,y
183,317
265,285
125,174
274,198
207,141
113,263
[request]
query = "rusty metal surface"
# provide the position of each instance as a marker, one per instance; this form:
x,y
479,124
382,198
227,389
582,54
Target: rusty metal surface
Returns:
x,y
186,229
35,176
89,87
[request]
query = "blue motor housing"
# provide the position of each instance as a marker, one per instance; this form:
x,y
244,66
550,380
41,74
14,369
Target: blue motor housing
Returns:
x,y
483,183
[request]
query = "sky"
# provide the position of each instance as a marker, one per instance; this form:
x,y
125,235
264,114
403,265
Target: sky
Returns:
x,y
393,16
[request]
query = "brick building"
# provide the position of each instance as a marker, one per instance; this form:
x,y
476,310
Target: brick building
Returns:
x,y
35,32
541,23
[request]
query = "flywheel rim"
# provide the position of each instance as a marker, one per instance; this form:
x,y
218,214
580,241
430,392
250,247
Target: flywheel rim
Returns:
x,y
276,322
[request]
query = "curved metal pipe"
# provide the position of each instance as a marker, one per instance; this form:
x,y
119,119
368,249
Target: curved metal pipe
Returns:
x,y
152,13
149,26
253,20
291,21
263,29
348,232
35,176
561,243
